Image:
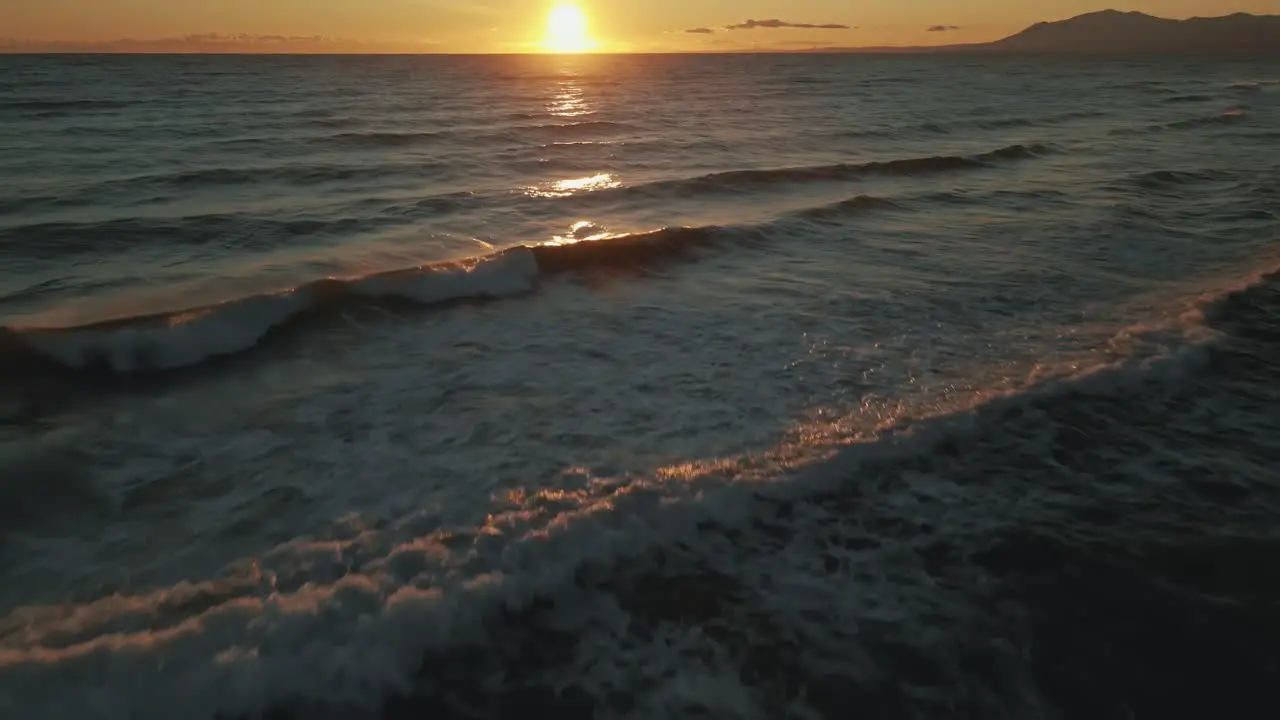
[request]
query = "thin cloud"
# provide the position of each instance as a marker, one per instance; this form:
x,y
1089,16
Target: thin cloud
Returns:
x,y
943,28
700,31
775,24
253,39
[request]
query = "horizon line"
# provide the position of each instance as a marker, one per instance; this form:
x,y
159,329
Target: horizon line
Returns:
x,y
872,50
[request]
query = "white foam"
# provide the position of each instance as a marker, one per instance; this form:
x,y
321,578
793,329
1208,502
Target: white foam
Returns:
x,y
177,341
185,339
344,620
239,646
343,643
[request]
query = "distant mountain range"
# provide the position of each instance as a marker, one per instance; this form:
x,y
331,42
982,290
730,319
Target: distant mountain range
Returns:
x,y
1112,32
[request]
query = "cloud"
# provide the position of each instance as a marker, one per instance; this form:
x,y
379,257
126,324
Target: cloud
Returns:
x,y
700,31
774,24
943,28
253,39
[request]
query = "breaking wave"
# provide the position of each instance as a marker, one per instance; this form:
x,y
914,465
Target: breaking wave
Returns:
x,y
180,339
189,337
1039,552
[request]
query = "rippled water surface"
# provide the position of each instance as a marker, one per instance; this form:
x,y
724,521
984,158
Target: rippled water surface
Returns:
x,y
756,386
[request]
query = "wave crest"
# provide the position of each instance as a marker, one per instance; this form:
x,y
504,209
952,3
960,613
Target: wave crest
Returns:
x,y
1226,117
170,341
851,207
175,340
735,180
378,139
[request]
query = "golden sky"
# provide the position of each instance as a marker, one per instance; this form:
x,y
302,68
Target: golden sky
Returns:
x,y
521,25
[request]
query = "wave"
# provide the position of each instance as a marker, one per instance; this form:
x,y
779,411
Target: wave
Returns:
x,y
737,180
50,241
1000,123
855,206
57,239
181,339
566,78
303,175
890,132
1226,117
23,205
1003,123
1012,556
50,108
961,197
294,174
1177,99
1260,135
44,479
390,139
1162,179
378,139
984,124
130,188
1230,115
637,251
573,129
397,207
39,289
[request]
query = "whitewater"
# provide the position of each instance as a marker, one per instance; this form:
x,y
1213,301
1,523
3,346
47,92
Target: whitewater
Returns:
x,y
756,386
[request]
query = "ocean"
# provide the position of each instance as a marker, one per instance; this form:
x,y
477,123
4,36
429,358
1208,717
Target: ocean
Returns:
x,y
757,386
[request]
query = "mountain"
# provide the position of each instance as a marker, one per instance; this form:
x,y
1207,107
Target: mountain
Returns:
x,y
1111,31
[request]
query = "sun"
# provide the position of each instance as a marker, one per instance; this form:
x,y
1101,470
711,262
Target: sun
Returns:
x,y
567,30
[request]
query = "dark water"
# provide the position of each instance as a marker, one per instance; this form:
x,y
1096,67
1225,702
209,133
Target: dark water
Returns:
x,y
643,386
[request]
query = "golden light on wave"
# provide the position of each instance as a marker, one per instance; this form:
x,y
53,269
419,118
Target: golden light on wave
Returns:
x,y
573,186
582,231
567,30
592,182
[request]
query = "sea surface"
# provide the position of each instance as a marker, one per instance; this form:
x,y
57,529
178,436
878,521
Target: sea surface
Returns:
x,y
772,386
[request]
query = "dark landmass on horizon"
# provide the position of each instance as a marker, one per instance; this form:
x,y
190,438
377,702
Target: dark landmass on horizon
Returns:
x,y
1112,32
1108,32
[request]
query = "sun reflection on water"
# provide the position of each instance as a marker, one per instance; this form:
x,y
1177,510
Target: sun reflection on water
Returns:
x,y
582,231
569,101
573,186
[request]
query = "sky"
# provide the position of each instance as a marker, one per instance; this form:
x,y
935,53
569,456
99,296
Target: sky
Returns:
x,y
497,26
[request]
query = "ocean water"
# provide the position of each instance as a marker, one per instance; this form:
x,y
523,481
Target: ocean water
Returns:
x,y
642,386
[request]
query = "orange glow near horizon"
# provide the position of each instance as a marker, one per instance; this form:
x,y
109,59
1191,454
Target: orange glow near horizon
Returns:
x,y
539,26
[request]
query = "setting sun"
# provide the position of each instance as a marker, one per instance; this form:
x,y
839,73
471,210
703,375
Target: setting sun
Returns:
x,y
567,30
